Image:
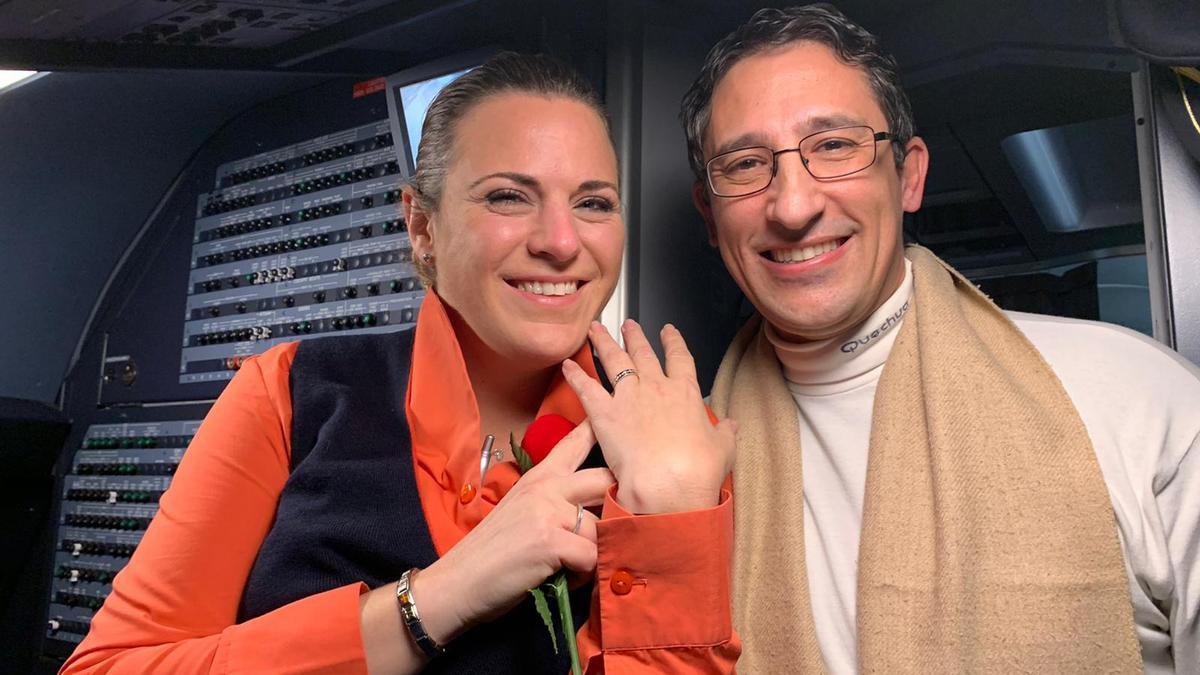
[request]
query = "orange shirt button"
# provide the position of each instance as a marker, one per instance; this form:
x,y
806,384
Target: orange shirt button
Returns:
x,y
622,582
466,494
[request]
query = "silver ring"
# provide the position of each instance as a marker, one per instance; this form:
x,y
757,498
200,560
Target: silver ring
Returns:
x,y
624,374
578,518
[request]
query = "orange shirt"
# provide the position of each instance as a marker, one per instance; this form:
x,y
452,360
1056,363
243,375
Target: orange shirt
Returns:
x,y
662,597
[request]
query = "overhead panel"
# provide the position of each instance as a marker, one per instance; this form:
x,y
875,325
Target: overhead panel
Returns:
x,y
175,22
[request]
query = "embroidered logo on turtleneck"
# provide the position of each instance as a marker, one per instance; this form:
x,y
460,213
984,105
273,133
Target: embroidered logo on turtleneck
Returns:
x,y
892,321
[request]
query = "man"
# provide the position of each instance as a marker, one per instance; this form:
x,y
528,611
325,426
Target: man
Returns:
x,y
983,491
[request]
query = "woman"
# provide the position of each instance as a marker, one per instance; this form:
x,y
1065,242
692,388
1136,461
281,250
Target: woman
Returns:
x,y
333,474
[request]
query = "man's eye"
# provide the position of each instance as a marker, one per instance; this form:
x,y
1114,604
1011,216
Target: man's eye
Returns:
x,y
834,145
747,163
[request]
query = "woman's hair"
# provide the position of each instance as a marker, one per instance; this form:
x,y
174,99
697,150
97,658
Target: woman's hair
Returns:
x,y
504,73
774,28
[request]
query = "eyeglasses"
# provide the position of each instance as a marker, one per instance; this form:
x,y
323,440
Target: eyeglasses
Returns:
x,y
828,154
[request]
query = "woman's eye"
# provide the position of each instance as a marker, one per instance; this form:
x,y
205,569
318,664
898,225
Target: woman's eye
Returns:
x,y
597,204
505,197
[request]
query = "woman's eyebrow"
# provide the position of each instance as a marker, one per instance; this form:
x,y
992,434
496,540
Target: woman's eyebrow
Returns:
x,y
518,178
590,185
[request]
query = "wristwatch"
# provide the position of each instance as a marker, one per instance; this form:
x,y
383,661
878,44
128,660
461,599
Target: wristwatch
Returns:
x,y
412,620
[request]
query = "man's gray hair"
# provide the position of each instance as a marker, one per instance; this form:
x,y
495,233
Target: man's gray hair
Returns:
x,y
772,28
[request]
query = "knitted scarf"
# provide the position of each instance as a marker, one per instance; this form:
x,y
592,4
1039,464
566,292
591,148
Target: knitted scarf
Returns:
x,y
989,543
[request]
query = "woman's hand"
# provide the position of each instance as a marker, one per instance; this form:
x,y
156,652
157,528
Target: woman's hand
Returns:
x,y
654,428
524,540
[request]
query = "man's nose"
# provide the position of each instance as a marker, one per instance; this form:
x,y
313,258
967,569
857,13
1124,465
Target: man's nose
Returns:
x,y
794,198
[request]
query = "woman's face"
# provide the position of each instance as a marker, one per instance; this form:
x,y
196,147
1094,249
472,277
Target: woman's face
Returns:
x,y
528,237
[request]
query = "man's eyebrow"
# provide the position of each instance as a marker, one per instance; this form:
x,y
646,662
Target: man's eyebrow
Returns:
x,y
744,141
823,122
518,178
804,128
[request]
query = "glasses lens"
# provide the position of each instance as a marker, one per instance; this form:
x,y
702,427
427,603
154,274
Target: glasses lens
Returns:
x,y
838,152
740,172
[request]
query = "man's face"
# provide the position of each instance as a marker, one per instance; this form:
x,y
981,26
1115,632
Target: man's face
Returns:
x,y
815,257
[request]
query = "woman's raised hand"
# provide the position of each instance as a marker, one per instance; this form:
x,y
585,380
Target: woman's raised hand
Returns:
x,y
525,539
654,428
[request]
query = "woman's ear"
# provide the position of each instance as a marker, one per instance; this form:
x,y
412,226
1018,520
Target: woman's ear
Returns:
x,y
418,222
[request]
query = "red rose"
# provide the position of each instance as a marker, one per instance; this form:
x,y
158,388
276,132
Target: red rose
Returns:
x,y
543,434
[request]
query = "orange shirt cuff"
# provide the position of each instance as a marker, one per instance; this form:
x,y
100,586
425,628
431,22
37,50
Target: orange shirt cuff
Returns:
x,y
317,634
663,580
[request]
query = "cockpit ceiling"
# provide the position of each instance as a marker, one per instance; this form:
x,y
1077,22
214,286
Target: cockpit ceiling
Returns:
x,y
212,23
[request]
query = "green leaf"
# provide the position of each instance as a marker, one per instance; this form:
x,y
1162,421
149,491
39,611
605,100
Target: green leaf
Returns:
x,y
563,600
543,609
522,457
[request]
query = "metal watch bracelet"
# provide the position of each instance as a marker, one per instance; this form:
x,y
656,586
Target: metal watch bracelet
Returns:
x,y
412,620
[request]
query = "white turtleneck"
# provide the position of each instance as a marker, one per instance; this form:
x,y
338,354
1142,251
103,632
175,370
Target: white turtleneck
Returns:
x,y
1140,403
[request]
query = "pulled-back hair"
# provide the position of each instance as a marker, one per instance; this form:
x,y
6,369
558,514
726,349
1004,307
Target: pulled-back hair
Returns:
x,y
504,73
773,28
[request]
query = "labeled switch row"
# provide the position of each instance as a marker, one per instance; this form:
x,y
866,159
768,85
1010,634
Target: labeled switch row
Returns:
x,y
77,548
346,149
401,254
307,327
110,443
343,178
302,215
75,575
114,496
249,334
301,243
125,468
246,227
105,522
217,205
92,602
254,173
275,168
74,626
261,250
350,322
374,288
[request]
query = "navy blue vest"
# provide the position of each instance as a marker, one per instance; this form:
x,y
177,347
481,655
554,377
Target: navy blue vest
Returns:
x,y
350,509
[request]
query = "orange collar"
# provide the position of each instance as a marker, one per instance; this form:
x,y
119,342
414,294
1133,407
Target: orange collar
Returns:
x,y
444,420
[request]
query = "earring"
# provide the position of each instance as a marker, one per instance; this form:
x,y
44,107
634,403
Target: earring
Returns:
x,y
427,258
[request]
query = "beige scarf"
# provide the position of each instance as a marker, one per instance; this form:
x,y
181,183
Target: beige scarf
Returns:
x,y
988,541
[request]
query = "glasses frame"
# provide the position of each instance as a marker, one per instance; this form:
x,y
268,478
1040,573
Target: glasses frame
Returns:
x,y
876,136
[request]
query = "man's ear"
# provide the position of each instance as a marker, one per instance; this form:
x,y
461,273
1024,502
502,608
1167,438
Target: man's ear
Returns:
x,y
418,222
704,206
912,176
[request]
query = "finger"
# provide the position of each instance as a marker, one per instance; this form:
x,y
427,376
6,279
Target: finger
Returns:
x,y
679,361
639,349
570,451
574,552
612,357
587,526
591,393
588,486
